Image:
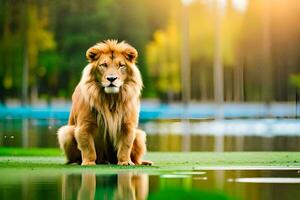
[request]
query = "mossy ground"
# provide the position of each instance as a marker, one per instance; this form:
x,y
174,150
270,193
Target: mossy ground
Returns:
x,y
52,159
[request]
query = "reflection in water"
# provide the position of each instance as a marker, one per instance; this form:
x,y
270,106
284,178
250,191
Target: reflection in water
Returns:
x,y
186,137
267,180
25,132
174,135
88,186
210,184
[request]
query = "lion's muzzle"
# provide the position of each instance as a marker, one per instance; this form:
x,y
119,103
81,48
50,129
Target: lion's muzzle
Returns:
x,y
111,89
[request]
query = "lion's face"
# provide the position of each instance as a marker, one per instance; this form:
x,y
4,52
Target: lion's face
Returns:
x,y
112,63
111,71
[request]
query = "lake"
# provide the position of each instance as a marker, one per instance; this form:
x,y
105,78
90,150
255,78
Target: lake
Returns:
x,y
174,135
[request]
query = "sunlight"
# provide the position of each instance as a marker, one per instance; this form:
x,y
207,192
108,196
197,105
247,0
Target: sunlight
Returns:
x,y
223,3
186,2
240,5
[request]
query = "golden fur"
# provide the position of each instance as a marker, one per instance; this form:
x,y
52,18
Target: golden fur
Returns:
x,y
104,116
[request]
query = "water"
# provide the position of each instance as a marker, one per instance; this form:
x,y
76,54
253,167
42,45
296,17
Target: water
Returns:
x,y
174,135
207,184
163,135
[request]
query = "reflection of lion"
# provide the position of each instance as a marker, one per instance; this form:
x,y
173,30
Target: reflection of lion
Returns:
x,y
120,186
103,120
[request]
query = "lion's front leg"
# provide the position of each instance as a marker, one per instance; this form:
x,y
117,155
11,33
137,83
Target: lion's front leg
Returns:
x,y
125,144
85,141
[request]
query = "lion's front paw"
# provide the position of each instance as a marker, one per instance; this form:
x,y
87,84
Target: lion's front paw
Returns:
x,y
125,163
88,163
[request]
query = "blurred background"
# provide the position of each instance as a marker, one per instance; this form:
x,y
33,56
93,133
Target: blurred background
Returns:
x,y
223,71
43,46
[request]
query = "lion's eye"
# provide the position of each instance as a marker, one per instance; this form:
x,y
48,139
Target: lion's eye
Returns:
x,y
104,65
122,65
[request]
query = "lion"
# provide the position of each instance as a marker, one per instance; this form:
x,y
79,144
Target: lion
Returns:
x,y
103,121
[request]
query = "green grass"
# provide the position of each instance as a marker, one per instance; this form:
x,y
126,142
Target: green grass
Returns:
x,y
6,151
45,159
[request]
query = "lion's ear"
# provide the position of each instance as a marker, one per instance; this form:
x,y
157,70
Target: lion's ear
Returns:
x,y
130,54
93,53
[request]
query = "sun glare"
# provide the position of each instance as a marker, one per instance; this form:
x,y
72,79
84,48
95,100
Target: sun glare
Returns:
x,y
240,5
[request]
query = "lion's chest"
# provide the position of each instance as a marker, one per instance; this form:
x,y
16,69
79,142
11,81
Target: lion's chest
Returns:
x,y
110,124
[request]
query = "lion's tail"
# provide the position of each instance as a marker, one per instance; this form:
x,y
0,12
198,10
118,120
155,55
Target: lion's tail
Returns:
x,y
68,143
65,134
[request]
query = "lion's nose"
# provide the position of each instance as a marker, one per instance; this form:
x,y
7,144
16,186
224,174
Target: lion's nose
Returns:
x,y
111,78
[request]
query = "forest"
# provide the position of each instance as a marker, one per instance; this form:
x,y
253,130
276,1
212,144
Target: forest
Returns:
x,y
43,45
